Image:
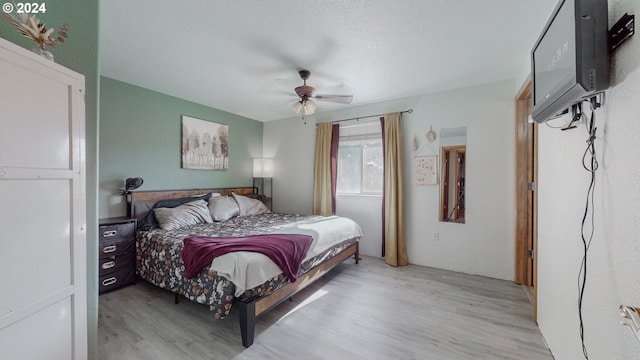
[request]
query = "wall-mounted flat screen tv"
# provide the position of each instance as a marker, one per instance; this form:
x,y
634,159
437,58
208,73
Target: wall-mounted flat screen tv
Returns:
x,y
570,59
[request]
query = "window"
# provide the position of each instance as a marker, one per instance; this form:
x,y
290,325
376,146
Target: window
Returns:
x,y
360,161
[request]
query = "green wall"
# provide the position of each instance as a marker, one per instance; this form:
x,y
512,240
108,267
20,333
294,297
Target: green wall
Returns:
x,y
79,52
141,135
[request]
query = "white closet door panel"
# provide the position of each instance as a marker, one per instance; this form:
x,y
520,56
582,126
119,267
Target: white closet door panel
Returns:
x,y
44,335
36,240
34,126
42,209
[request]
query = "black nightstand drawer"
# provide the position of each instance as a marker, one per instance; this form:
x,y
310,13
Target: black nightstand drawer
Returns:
x,y
116,246
114,231
116,280
115,263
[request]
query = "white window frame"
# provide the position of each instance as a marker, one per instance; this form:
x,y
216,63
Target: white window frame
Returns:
x,y
361,138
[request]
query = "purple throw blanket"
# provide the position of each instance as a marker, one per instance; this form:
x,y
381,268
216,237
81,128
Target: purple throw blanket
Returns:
x,y
286,250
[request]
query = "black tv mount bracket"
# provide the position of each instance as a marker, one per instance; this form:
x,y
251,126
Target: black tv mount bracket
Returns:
x,y
621,31
596,101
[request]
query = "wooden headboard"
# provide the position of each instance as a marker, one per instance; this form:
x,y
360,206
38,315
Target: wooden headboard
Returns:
x,y
140,202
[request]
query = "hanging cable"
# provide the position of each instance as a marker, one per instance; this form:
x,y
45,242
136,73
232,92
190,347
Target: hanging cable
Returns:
x,y
576,117
590,164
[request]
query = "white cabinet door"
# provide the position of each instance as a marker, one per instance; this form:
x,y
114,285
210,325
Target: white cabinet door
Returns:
x,y
42,208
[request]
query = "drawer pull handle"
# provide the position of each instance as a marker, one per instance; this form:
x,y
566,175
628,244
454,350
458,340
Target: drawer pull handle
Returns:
x,y
108,265
109,281
110,233
109,249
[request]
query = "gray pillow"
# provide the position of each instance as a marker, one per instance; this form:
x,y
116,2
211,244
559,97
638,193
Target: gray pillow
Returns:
x,y
150,222
223,208
191,213
249,206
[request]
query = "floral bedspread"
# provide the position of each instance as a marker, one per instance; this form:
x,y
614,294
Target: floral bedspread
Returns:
x,y
159,260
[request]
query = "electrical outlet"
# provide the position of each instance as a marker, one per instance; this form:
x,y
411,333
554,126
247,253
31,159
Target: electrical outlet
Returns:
x,y
435,236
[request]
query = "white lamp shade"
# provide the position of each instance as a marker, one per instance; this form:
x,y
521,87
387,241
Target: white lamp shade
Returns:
x,y
263,168
309,107
297,106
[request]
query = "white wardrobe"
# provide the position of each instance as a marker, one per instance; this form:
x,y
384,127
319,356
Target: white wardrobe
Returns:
x,y
43,296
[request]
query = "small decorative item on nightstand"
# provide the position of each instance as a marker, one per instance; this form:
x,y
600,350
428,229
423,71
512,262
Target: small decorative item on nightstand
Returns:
x,y
263,169
117,253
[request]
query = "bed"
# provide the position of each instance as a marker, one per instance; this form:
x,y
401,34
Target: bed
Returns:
x,y
258,284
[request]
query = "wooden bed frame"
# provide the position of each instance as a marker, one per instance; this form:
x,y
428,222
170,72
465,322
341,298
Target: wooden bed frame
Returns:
x,y
249,310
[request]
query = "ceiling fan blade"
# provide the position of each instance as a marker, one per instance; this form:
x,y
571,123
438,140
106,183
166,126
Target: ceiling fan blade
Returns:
x,y
343,99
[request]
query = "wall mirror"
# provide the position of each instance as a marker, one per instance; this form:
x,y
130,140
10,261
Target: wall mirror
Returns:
x,y
453,148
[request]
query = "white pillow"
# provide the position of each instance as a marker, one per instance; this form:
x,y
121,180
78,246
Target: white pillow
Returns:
x,y
223,208
191,213
249,206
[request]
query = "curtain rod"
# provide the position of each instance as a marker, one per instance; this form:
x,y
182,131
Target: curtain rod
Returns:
x,y
408,111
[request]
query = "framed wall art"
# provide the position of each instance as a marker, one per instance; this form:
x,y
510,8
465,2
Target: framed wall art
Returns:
x,y
426,170
205,144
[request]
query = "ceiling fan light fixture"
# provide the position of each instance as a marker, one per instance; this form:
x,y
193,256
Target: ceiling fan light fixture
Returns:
x,y
297,106
309,107
306,92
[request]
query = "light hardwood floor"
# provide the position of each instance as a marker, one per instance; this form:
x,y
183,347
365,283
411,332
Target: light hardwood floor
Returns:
x,y
365,311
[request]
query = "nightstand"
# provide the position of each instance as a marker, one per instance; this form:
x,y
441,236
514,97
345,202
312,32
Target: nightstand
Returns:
x,y
265,200
117,253
260,193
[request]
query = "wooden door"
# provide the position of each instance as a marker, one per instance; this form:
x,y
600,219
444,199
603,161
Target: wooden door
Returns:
x,y
526,198
42,187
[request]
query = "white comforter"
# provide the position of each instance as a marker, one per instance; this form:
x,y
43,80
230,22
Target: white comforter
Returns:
x,y
249,269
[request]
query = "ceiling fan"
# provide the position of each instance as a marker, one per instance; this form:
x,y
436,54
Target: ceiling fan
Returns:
x,y
305,92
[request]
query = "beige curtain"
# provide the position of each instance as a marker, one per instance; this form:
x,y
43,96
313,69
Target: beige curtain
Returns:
x,y
395,253
322,202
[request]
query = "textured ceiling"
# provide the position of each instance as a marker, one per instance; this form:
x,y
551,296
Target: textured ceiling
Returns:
x,y
242,56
